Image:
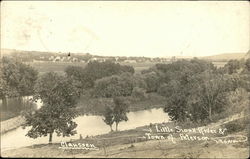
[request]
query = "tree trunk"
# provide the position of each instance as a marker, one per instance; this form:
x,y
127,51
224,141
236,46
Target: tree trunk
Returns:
x,y
116,126
20,103
4,99
210,113
50,138
111,129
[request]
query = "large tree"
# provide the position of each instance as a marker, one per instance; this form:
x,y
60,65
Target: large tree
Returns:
x,y
109,117
116,113
120,111
207,95
59,98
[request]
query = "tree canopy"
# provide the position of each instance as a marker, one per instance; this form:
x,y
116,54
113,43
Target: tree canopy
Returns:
x,y
116,113
16,78
59,98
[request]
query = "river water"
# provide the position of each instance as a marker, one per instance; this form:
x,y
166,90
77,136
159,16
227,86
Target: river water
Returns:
x,y
87,125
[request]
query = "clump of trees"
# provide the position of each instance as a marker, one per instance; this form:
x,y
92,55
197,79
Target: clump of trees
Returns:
x,y
113,86
116,113
196,90
85,77
16,79
59,98
232,66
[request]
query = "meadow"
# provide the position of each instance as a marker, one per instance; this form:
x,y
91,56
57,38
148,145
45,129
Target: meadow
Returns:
x,y
59,67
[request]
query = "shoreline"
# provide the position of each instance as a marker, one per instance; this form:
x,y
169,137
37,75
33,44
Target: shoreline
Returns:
x,y
117,143
11,124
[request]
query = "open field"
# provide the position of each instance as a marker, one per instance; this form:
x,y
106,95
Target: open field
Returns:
x,y
59,67
43,67
219,64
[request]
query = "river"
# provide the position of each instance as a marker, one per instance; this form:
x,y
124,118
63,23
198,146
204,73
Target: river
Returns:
x,y
87,125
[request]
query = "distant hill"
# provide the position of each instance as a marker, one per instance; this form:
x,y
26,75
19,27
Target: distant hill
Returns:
x,y
39,56
29,56
225,57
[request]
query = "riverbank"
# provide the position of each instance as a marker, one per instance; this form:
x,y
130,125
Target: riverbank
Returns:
x,y
132,143
96,106
11,124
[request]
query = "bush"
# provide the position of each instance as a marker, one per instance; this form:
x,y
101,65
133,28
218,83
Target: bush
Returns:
x,y
152,81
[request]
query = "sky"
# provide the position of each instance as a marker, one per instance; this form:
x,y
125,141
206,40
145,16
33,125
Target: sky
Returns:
x,y
127,28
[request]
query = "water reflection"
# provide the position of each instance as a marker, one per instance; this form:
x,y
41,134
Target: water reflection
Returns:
x,y
12,107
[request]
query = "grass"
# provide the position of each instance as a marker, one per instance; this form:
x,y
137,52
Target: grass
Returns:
x,y
42,67
237,125
219,63
59,67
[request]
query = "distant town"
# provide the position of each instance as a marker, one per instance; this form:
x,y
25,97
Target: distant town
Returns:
x,y
35,56
40,57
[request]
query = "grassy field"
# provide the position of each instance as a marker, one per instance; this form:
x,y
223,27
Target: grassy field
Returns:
x,y
59,67
219,64
43,67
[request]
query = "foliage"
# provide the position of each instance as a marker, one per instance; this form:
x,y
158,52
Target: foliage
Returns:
x,y
139,93
176,107
116,85
97,70
84,78
207,95
120,110
169,89
196,90
16,78
182,70
59,98
232,66
138,81
78,77
247,64
152,81
238,101
109,117
117,113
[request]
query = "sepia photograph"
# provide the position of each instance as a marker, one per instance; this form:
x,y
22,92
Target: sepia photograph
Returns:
x,y
125,79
